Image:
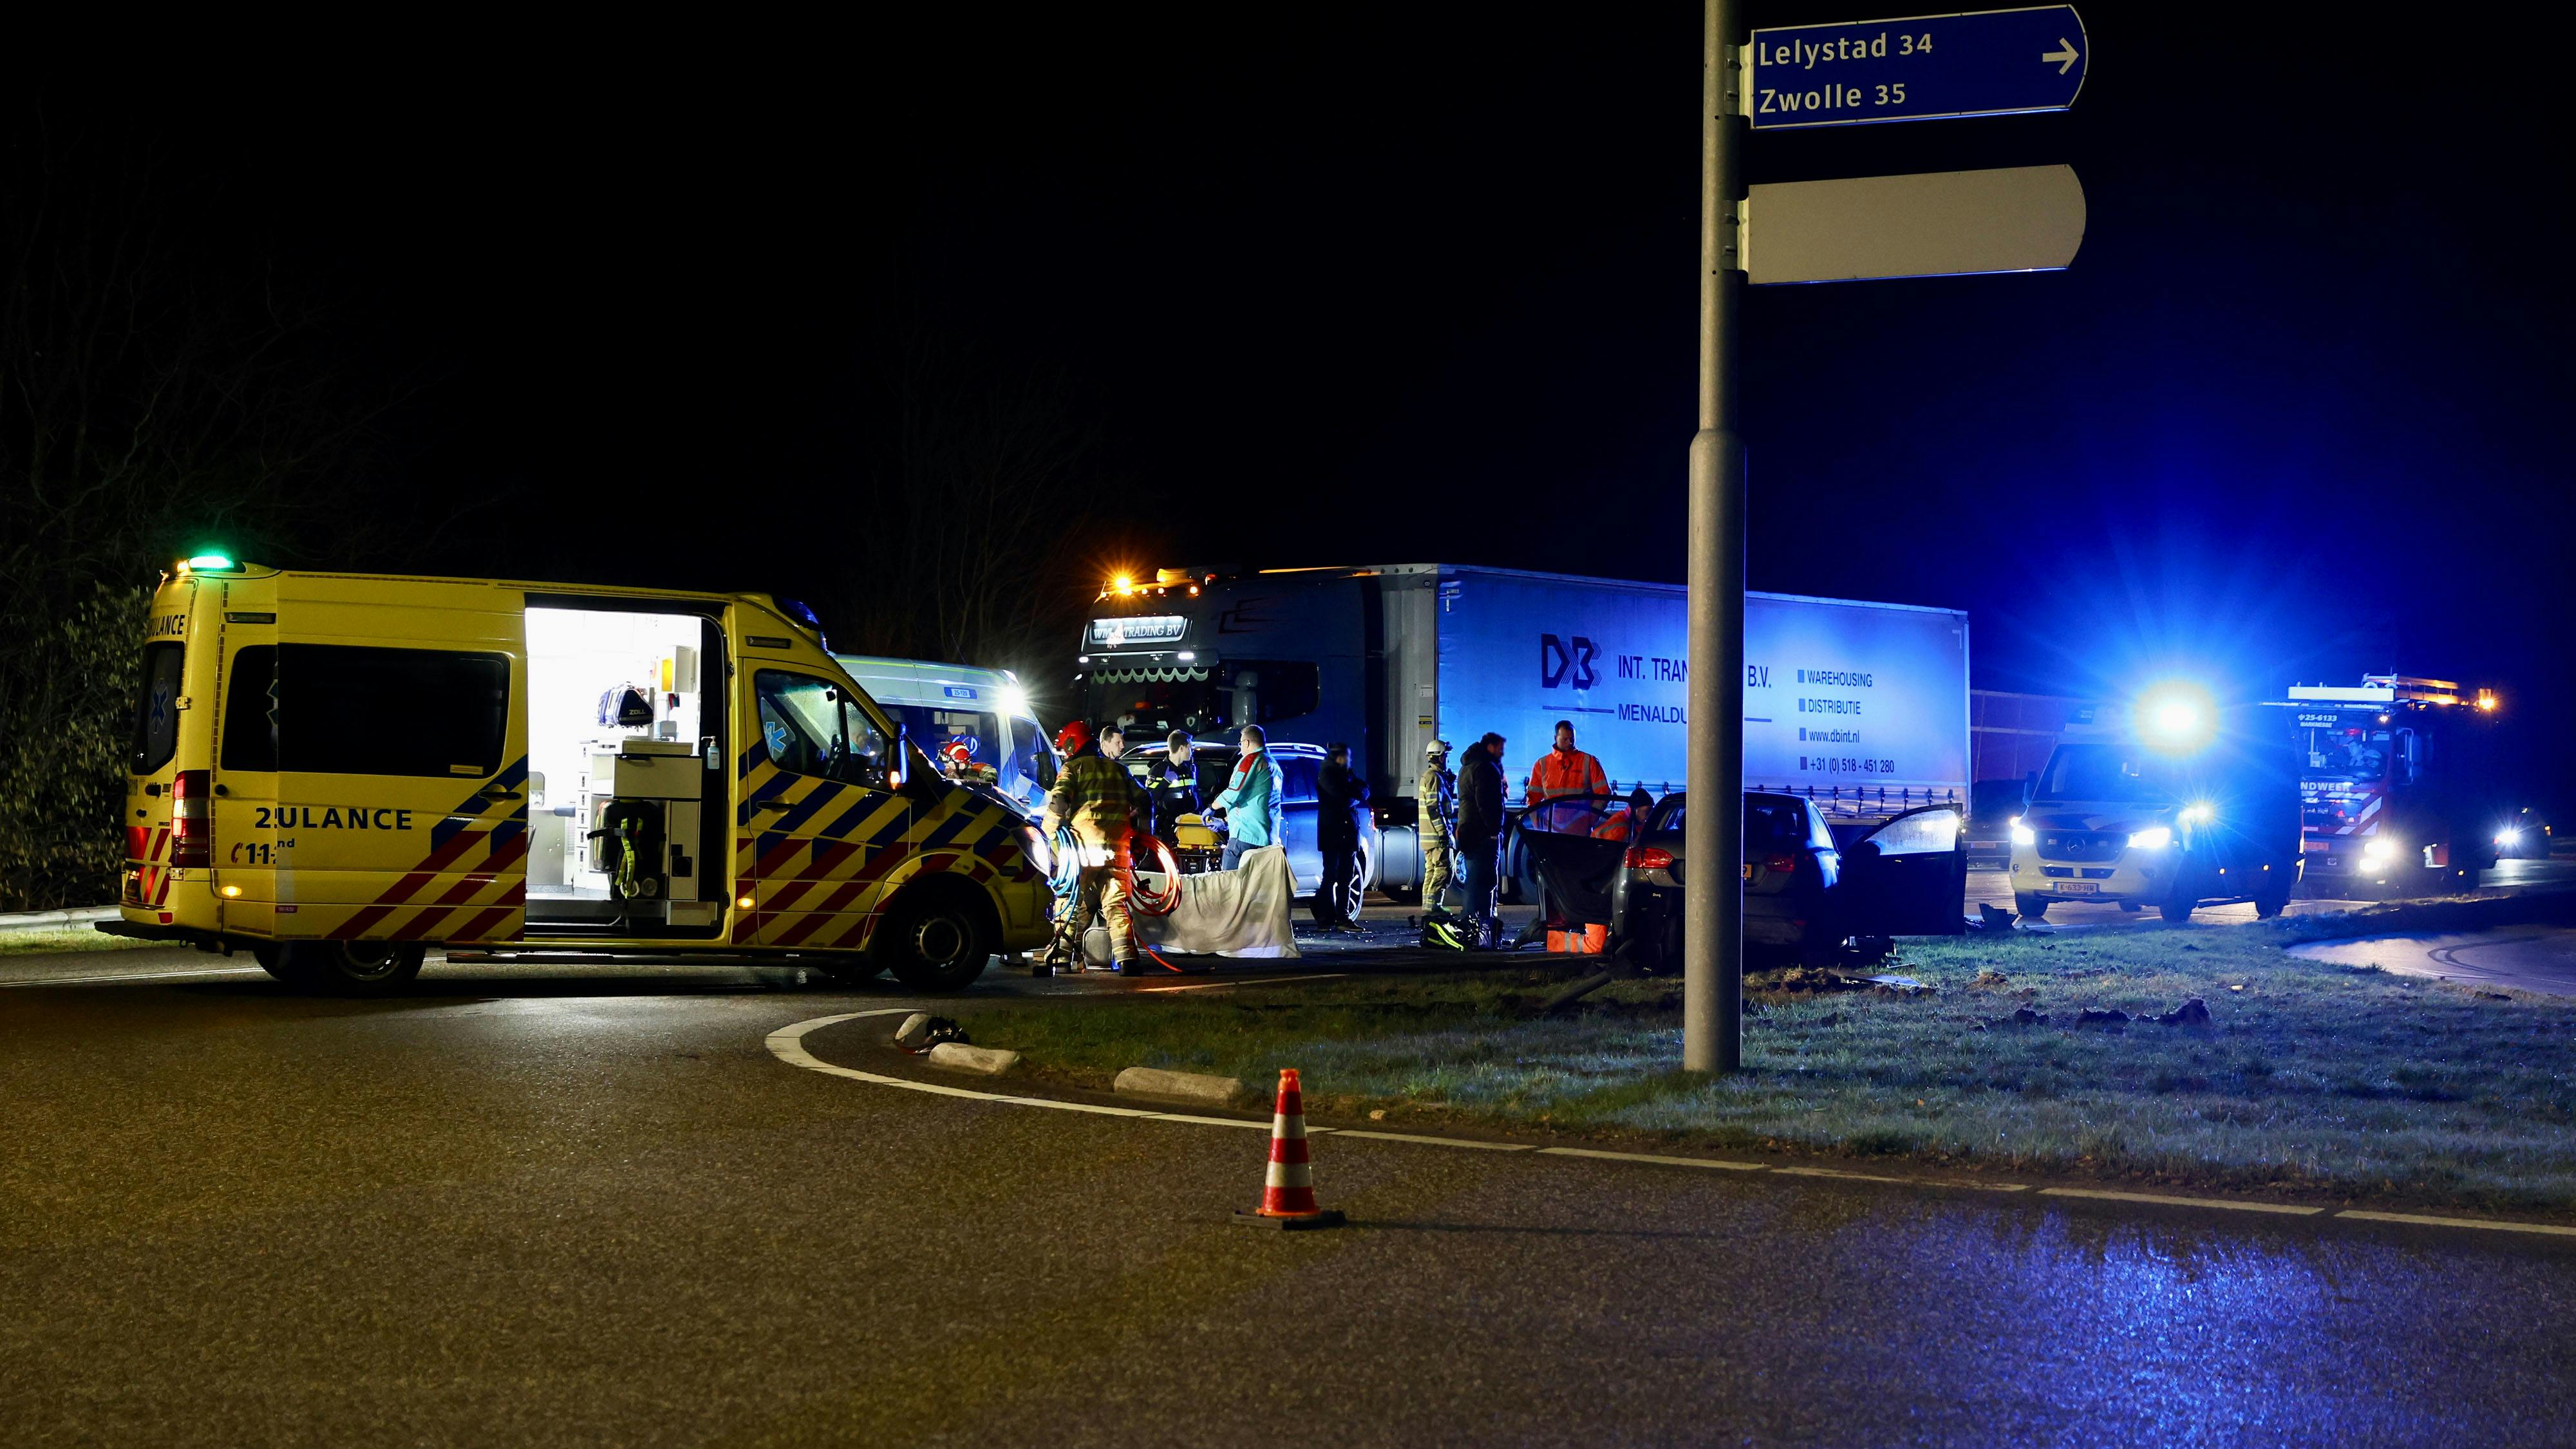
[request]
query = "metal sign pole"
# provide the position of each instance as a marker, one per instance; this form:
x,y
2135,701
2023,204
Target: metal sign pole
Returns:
x,y
1712,886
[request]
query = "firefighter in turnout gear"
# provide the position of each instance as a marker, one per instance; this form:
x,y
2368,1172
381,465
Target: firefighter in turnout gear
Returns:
x,y
1101,801
1437,794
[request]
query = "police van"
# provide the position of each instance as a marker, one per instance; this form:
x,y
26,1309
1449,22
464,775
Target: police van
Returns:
x,y
338,771
2177,805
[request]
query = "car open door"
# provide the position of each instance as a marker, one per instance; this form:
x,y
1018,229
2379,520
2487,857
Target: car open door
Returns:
x,y
1908,877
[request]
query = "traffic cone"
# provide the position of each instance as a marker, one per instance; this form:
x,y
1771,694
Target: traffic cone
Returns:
x,y
1288,1193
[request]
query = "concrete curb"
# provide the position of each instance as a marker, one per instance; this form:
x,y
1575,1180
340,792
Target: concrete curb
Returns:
x,y
1178,1086
959,1057
70,920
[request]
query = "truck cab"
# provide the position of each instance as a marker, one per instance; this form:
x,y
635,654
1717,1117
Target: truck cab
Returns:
x,y
2398,783
2179,807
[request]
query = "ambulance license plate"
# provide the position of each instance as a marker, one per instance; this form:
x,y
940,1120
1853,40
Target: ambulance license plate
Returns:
x,y
2076,887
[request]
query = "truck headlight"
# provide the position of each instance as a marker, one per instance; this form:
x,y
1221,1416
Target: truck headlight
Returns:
x,y
2023,834
2154,837
2380,848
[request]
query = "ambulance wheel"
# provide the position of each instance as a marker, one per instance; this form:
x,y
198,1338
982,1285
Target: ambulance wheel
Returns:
x,y
350,968
277,961
935,941
2030,907
2176,911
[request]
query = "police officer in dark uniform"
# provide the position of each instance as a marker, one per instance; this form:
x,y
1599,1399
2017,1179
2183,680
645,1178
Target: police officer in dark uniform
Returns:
x,y
1339,794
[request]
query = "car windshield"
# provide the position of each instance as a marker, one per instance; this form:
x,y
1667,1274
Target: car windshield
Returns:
x,y
978,735
2102,772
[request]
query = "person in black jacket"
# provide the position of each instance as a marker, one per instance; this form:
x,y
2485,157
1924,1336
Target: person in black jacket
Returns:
x,y
1480,821
1172,779
1339,794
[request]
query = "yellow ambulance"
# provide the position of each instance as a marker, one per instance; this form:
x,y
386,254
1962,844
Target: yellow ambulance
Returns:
x,y
338,771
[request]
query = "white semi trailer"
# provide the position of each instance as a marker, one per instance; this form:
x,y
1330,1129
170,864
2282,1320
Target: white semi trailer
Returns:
x,y
1863,706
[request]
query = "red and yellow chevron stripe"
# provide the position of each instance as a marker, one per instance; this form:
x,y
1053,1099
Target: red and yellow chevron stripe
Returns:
x,y
819,858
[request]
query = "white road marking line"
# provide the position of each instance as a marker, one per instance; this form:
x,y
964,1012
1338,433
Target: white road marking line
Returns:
x,y
1094,1108
1907,1181
137,976
1650,1157
1263,981
787,1045
2429,1221
1438,1141
2230,1205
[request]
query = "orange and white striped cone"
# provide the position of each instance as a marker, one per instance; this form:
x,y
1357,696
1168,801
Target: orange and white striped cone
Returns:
x,y
1288,1192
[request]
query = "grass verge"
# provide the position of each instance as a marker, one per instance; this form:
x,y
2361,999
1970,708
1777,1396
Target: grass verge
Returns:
x,y
69,938
2310,1079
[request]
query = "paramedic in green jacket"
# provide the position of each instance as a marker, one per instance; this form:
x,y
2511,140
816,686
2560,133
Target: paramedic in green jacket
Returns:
x,y
1251,801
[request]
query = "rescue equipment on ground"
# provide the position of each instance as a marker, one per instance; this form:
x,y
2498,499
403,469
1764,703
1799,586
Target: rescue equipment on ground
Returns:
x,y
1288,1187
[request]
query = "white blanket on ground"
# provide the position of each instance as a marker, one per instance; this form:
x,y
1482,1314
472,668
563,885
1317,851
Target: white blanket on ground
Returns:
x,y
1239,912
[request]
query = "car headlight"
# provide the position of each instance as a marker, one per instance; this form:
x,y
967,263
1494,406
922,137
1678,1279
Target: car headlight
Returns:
x,y
2023,834
2154,837
2379,848
2507,836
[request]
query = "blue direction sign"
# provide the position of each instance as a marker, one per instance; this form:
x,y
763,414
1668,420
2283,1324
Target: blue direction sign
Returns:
x,y
1927,68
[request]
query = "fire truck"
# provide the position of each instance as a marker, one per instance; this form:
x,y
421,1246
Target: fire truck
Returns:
x,y
2399,788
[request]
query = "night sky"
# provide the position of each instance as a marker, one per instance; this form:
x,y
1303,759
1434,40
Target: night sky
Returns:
x,y
1375,284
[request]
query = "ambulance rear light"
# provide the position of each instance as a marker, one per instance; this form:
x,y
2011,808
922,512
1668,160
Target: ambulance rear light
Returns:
x,y
192,820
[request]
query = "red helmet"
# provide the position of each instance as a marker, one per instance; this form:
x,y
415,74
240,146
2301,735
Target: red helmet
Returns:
x,y
958,751
1071,739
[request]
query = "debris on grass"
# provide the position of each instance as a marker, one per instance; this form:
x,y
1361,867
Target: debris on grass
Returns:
x,y
1988,977
2194,1012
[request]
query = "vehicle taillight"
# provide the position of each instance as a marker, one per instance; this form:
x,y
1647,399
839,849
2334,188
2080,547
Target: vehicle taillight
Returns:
x,y
1649,857
1784,864
192,819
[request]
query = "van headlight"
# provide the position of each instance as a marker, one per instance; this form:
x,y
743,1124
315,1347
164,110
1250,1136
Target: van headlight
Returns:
x,y
2507,836
2199,813
2023,834
2380,848
2154,837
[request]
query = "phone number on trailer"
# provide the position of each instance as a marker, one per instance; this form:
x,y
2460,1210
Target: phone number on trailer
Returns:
x,y
1845,765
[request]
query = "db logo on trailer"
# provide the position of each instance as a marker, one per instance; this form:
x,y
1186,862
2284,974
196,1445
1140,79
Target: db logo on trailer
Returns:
x,y
1558,658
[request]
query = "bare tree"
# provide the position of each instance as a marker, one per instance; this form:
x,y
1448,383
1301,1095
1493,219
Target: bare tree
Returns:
x,y
158,391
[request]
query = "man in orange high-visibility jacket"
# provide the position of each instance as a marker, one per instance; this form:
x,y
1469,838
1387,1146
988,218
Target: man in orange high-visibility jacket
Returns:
x,y
1568,775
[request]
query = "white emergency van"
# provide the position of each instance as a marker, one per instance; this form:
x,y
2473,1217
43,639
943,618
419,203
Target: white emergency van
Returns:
x,y
977,724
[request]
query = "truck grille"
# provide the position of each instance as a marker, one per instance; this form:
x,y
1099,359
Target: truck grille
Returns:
x,y
2081,845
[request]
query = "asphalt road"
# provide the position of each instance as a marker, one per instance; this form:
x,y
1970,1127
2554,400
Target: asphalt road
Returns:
x,y
551,1205
2516,958
1994,888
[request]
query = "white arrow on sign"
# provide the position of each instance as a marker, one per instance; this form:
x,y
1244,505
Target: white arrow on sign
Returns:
x,y
1944,224
2065,55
